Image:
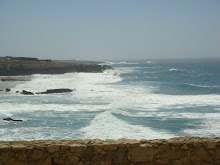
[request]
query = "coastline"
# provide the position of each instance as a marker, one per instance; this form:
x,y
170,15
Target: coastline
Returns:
x,y
14,66
16,70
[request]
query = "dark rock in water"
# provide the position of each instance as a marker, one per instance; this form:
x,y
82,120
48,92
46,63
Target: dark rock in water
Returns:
x,y
10,119
7,90
11,79
24,92
1,89
7,79
17,91
61,90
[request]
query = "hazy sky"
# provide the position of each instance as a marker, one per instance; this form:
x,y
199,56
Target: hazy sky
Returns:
x,y
110,29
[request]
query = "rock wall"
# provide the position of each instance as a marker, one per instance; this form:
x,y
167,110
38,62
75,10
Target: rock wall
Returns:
x,y
178,151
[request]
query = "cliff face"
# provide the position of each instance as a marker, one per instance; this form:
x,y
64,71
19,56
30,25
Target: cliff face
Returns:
x,y
178,151
28,66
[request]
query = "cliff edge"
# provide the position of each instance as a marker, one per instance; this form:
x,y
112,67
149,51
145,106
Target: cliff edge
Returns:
x,y
13,66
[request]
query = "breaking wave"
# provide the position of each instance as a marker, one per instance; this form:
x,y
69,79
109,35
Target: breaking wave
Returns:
x,y
176,70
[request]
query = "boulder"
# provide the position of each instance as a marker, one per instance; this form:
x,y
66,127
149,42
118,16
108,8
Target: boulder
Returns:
x,y
7,90
24,92
61,90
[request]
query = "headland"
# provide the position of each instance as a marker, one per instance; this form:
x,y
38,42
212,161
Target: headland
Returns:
x,y
14,66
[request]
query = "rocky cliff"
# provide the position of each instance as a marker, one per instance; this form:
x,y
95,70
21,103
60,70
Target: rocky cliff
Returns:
x,y
177,151
28,66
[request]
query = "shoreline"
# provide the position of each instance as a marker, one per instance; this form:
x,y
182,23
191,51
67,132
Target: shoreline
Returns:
x,y
14,66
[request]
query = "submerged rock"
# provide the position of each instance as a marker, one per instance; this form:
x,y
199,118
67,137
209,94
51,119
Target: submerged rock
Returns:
x,y
7,90
10,119
24,92
61,90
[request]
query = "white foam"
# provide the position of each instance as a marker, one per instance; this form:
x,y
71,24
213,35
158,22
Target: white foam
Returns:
x,y
204,86
143,99
149,62
207,128
39,133
176,70
100,87
41,83
106,126
119,63
102,92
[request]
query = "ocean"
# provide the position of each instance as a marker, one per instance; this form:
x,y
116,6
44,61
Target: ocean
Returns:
x,y
139,99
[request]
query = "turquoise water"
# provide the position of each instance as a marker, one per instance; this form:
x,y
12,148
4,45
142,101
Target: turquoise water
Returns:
x,y
139,99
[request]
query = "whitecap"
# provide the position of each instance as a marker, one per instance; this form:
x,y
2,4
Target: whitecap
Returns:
x,y
149,62
176,70
203,86
106,126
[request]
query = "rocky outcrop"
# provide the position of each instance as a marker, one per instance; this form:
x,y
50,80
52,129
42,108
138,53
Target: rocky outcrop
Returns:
x,y
176,151
61,90
49,91
10,119
11,79
106,67
27,66
24,92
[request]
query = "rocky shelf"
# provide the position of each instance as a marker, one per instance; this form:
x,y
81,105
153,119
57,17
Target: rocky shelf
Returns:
x,y
12,66
177,151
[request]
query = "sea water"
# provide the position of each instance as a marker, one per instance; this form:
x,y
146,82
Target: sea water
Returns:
x,y
144,99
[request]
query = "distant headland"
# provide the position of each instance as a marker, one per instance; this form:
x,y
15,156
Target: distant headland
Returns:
x,y
13,66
